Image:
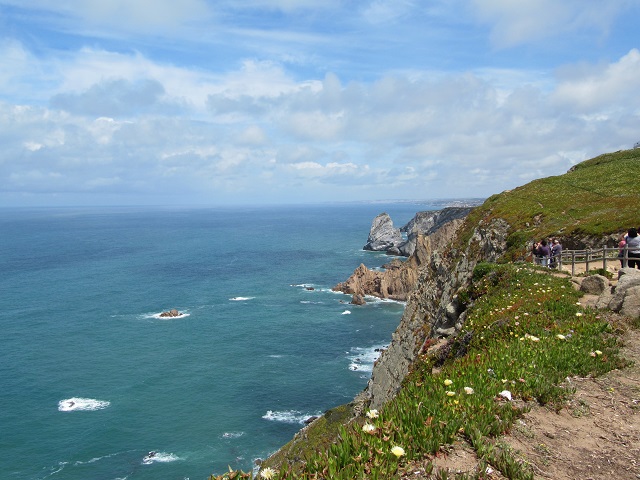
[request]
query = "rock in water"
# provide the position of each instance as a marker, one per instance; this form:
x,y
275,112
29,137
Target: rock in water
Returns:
x,y
383,235
171,313
357,299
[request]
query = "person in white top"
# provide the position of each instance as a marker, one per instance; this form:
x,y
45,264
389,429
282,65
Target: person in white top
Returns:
x,y
633,244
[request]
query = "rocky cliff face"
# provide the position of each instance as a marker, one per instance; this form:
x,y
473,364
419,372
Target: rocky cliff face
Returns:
x,y
433,309
431,223
400,278
383,235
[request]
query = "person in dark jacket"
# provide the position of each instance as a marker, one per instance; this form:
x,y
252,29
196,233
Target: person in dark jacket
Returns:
x,y
543,252
556,251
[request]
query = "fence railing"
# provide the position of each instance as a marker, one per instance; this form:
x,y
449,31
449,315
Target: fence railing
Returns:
x,y
592,258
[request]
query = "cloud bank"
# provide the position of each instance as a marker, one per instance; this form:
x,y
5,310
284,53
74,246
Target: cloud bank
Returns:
x,y
98,122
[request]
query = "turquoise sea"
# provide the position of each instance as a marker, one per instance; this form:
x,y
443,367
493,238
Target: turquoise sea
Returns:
x,y
92,379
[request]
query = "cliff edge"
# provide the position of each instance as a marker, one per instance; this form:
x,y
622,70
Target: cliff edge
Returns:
x,y
588,206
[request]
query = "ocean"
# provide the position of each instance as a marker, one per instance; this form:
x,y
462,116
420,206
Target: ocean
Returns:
x,y
92,379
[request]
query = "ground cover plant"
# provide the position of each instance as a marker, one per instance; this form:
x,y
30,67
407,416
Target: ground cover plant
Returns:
x,y
590,201
525,332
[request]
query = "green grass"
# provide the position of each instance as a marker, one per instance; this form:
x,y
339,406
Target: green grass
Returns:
x,y
525,333
594,199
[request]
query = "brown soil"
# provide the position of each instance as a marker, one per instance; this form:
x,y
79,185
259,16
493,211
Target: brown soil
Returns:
x,y
595,436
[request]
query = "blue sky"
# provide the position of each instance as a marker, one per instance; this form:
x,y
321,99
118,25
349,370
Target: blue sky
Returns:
x,y
198,102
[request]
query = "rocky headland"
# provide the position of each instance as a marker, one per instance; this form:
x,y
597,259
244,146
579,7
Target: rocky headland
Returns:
x,y
580,208
426,232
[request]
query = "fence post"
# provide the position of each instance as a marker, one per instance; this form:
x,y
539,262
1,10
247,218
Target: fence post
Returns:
x,y
587,256
573,263
604,258
625,259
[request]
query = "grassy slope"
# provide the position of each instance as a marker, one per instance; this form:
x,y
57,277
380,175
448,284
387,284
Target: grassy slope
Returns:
x,y
595,198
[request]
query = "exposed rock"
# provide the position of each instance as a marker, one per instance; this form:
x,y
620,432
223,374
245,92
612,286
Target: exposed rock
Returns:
x,y
429,222
171,313
627,279
400,277
631,303
594,284
432,307
626,297
357,299
383,235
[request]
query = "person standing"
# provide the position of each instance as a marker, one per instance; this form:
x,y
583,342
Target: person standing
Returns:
x,y
621,244
633,246
556,251
543,252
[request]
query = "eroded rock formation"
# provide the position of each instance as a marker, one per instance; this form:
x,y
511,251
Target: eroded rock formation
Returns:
x,y
383,235
400,277
432,308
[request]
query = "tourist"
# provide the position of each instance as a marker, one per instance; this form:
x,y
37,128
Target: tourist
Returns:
x,y
543,252
556,252
633,248
621,244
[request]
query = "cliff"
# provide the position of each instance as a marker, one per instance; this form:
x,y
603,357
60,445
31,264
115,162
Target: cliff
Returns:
x,y
433,308
587,206
428,232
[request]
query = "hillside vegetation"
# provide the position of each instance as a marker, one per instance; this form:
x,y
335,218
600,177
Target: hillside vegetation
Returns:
x,y
525,332
595,199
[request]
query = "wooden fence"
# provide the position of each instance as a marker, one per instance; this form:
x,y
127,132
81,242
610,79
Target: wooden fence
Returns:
x,y
593,259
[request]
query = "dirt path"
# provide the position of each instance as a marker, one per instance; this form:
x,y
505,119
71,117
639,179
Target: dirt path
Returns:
x,y
595,436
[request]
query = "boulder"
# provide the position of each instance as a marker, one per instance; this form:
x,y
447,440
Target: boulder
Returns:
x,y
631,303
357,299
383,235
628,278
594,284
171,313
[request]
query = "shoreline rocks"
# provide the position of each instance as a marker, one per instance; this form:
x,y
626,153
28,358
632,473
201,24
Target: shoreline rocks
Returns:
x,y
430,231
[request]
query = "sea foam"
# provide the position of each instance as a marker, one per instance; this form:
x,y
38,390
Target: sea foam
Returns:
x,y
160,457
84,404
362,359
159,316
288,416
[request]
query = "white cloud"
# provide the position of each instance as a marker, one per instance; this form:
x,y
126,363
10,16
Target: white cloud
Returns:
x,y
602,87
387,11
513,23
407,135
228,120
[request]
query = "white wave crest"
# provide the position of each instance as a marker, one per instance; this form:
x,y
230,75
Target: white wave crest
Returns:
x,y
84,404
288,416
159,457
346,312
241,299
232,434
362,359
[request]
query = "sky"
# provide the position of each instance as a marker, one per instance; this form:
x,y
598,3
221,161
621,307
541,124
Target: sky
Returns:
x,y
202,102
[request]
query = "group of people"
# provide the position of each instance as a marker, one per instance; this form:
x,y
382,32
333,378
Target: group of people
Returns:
x,y
632,243
547,252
